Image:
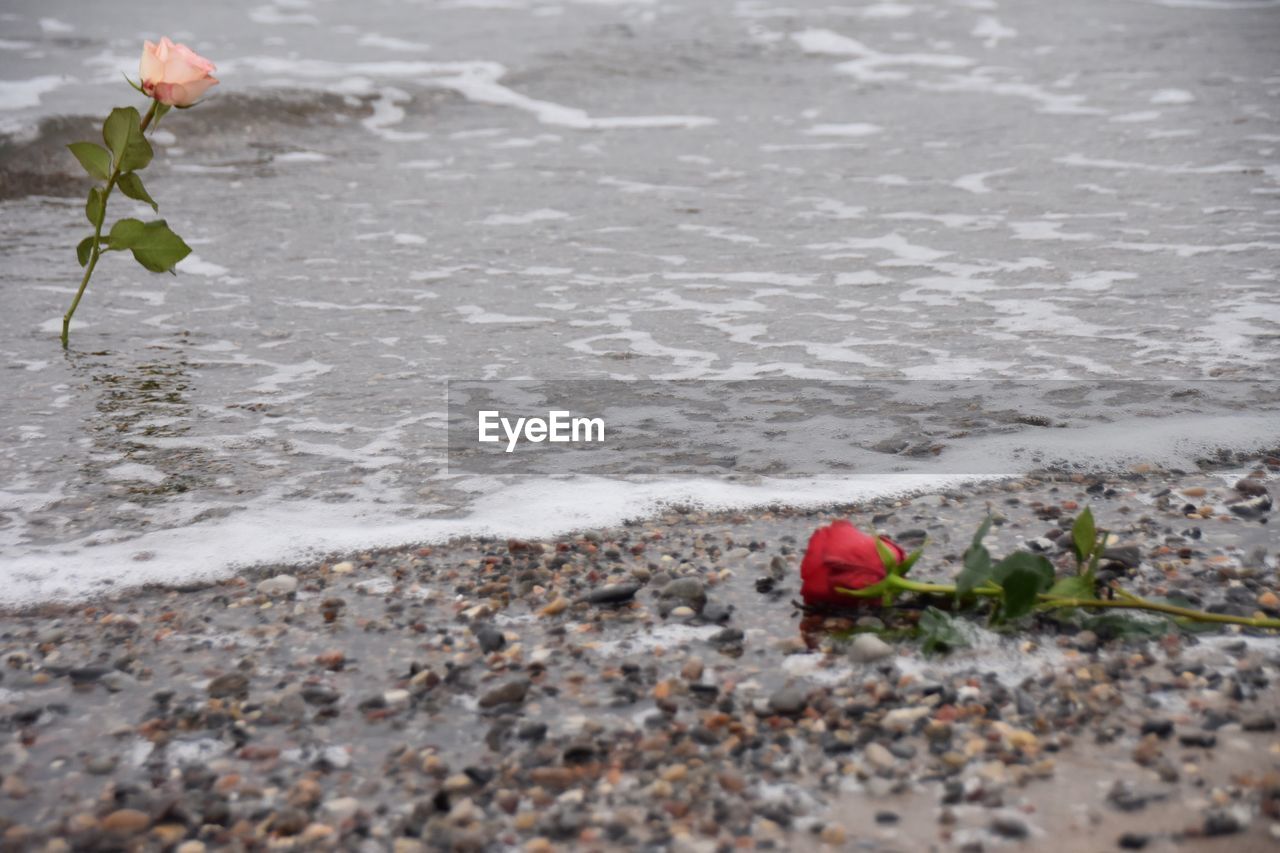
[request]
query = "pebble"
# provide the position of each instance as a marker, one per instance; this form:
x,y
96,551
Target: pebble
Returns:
x,y
689,592
868,648
903,719
233,684
613,595
125,822
1223,822
789,700
1010,825
340,809
1251,487
511,692
278,585
833,834
880,757
489,638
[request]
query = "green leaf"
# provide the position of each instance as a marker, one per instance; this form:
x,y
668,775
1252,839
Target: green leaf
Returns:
x,y
977,562
131,185
910,561
126,233
157,248
1022,576
95,159
940,632
161,111
84,250
95,209
116,129
887,557
1075,586
122,132
1084,535
1111,625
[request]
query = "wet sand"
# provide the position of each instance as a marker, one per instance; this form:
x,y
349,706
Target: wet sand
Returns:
x,y
650,686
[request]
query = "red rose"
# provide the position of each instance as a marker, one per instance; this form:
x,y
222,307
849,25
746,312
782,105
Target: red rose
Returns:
x,y
841,555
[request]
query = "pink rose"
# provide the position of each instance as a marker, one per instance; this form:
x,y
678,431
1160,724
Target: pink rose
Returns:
x,y
174,74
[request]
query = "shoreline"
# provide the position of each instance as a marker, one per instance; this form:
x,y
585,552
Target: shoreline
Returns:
x,y
650,684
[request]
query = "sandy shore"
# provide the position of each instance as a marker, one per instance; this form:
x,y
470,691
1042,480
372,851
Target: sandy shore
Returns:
x,y
650,686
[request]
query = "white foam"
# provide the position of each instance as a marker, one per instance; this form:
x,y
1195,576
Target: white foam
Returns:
x,y
300,157
991,31
392,43
193,264
544,214
477,81
24,94
852,129
977,182
871,65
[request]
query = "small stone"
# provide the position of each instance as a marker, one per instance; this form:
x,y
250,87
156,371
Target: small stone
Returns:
x,y
422,681
688,592
868,648
408,845
101,765
278,585
789,700
692,670
1203,740
1009,825
509,693
1085,641
1259,723
1254,507
613,595
1251,487
559,605
231,685
190,847
458,782
489,638
396,699
14,788
343,568
1160,728
87,674
1134,841
340,809
880,757
1269,601
903,719
1222,822
833,834
1129,556
123,822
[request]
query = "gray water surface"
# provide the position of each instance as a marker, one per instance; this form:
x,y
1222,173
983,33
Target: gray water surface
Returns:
x,y
382,196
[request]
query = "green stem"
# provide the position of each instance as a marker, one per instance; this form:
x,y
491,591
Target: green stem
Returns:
x,y
96,251
1128,601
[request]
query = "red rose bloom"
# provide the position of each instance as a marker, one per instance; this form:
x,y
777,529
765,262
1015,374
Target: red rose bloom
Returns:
x,y
841,555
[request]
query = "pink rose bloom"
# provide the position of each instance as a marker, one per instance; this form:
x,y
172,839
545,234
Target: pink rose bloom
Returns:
x,y
174,74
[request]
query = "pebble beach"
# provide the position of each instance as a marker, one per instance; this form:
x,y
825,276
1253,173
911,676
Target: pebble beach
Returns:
x,y
653,686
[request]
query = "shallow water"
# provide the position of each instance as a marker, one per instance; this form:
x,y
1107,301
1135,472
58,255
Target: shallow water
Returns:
x,y
385,196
